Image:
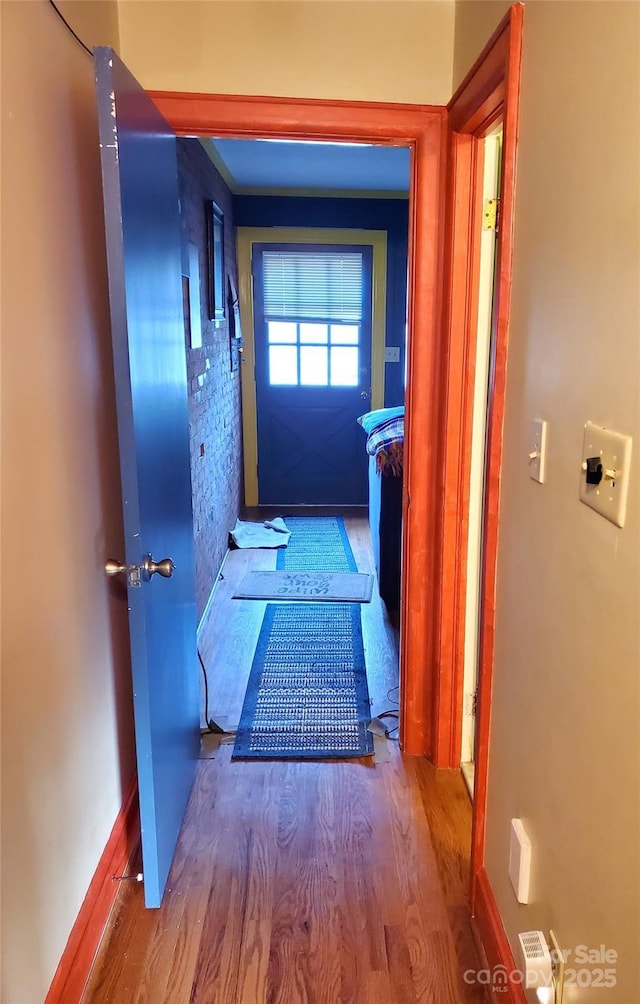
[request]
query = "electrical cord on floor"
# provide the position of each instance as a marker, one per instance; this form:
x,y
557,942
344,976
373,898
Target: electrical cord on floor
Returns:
x,y
69,28
391,713
211,725
391,690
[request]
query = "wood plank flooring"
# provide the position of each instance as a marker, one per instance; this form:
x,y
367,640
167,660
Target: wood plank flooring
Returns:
x,y
302,883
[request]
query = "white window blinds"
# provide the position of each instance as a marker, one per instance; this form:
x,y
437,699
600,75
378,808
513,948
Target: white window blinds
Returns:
x,y
313,285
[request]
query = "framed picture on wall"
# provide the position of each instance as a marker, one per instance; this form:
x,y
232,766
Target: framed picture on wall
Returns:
x,y
215,253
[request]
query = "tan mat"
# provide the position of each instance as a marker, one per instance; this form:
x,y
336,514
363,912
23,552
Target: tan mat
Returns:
x,y
328,587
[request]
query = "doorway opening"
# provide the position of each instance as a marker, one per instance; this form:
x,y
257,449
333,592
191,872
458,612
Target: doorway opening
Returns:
x,y
280,251
374,384
422,130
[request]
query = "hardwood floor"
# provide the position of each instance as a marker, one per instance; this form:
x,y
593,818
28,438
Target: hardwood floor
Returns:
x,y
302,883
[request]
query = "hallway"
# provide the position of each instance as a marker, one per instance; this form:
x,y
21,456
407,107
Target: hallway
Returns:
x,y
301,882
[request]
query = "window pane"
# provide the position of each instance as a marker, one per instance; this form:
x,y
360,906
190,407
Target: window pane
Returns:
x,y
344,334
344,367
283,365
314,333
313,366
282,331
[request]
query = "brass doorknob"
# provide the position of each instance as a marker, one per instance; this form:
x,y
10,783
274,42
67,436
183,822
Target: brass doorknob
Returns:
x,y
137,574
165,568
113,567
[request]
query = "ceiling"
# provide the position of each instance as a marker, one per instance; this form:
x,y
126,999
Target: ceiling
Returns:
x,y
248,165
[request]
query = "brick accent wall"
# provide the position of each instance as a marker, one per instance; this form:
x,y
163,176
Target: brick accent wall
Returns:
x,y
214,390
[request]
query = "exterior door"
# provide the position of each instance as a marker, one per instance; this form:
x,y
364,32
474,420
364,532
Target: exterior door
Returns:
x,y
143,251
312,308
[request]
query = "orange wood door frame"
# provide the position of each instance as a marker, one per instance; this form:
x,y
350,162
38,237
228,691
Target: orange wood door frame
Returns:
x,y
488,95
423,129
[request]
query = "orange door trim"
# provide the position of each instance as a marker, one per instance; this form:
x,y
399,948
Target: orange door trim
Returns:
x,y
423,129
488,95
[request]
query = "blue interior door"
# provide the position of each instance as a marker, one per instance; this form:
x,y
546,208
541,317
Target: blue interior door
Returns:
x,y
312,310
142,224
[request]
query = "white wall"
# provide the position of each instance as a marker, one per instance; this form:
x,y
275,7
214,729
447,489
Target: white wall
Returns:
x,y
565,732
399,50
67,740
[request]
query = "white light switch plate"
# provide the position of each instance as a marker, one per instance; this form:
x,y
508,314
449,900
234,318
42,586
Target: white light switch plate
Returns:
x,y
520,861
538,446
392,354
609,498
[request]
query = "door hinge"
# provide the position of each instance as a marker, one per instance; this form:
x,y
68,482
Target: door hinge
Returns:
x,y
471,703
491,214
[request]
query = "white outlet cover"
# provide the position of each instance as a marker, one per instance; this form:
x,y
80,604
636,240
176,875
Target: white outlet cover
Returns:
x,y
392,354
609,498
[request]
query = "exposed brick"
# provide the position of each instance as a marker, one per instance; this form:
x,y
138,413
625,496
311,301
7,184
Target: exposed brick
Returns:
x,y
214,391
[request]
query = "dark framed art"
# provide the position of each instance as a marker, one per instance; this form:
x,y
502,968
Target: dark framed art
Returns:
x,y
215,254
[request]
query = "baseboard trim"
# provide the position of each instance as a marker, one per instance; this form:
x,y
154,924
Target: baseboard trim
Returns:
x,y
75,965
207,606
495,944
